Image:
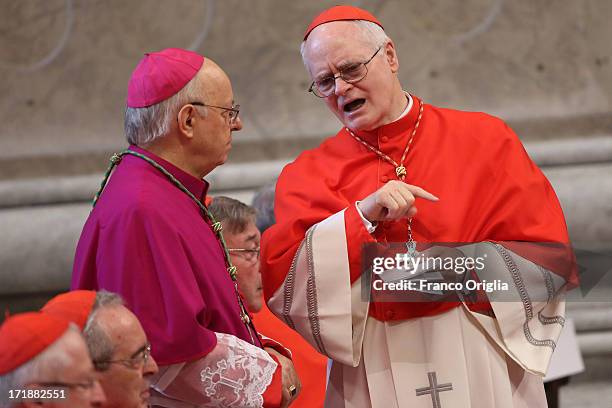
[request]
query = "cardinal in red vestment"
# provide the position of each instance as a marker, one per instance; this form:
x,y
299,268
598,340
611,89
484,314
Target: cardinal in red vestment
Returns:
x,y
401,170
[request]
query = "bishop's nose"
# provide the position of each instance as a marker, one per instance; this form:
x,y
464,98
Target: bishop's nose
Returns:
x,y
237,125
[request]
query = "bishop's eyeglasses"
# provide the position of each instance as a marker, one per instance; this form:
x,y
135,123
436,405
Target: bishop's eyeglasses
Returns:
x,y
351,74
232,113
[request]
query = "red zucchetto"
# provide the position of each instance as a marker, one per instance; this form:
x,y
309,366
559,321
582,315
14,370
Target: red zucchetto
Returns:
x,y
341,13
24,336
73,306
159,75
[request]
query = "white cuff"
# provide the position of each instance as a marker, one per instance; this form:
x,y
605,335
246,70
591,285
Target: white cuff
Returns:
x,y
371,227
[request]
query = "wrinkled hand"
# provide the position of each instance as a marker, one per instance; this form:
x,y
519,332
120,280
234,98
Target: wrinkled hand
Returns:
x,y
393,201
290,377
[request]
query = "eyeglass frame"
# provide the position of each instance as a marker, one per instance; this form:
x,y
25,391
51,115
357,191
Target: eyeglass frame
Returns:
x,y
235,109
136,362
255,251
313,86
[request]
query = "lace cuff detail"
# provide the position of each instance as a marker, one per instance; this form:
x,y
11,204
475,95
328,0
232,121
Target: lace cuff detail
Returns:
x,y
234,374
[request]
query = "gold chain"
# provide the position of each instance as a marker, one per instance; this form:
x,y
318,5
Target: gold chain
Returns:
x,y
400,170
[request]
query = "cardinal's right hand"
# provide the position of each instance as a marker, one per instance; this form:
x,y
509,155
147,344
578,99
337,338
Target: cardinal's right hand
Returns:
x,y
393,201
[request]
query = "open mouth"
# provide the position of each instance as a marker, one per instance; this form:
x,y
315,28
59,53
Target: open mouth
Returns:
x,y
354,105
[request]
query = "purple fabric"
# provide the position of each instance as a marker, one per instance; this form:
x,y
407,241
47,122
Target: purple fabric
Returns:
x,y
147,241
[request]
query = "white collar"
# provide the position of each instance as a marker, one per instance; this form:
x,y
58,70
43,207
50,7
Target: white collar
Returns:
x,y
405,112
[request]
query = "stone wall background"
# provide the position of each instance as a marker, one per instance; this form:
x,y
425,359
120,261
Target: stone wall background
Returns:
x,y
543,65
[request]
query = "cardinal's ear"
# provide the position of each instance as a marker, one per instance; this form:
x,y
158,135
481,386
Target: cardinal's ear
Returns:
x,y
391,55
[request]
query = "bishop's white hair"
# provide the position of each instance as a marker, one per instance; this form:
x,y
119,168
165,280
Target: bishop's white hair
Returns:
x,y
144,125
371,33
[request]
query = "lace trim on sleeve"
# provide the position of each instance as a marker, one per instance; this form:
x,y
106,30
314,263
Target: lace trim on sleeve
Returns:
x,y
234,374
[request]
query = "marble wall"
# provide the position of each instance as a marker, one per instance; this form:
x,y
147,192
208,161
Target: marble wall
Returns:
x,y
546,66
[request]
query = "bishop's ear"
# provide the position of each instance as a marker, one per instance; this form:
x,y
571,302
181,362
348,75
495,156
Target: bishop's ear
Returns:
x,y
186,119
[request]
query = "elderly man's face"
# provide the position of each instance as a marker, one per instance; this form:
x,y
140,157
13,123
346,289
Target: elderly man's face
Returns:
x,y
214,130
126,380
76,376
249,276
364,105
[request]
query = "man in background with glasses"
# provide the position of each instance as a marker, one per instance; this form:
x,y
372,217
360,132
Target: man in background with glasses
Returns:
x,y
242,236
242,239
117,344
472,182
